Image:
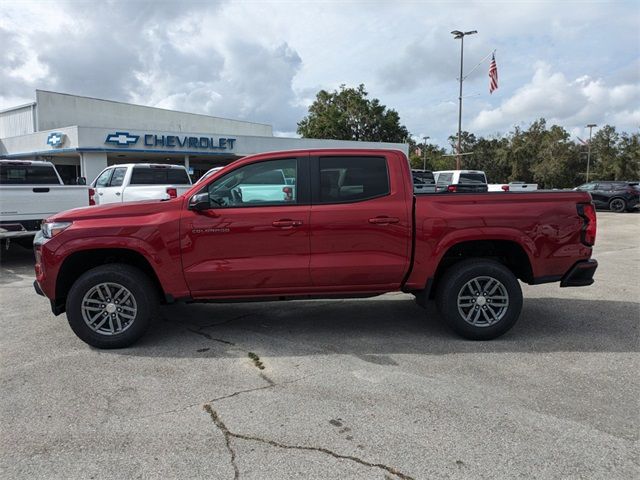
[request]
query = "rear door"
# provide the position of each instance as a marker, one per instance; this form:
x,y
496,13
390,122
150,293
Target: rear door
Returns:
x,y
360,223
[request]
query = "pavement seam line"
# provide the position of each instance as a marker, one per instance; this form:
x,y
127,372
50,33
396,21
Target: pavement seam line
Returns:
x,y
229,434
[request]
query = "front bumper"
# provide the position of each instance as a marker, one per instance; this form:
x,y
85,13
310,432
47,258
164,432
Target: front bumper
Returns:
x,y
580,275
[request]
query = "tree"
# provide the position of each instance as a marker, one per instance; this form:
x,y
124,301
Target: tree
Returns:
x,y
347,114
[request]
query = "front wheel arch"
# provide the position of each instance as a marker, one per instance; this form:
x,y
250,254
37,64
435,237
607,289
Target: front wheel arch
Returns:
x,y
82,261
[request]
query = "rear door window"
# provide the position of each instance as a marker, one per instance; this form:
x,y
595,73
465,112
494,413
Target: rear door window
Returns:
x,y
118,176
352,179
28,175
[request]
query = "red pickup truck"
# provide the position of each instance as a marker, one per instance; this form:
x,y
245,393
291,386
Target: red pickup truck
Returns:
x,y
345,223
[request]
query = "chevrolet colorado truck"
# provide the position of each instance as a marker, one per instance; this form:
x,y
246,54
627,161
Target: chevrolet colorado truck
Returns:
x,y
352,227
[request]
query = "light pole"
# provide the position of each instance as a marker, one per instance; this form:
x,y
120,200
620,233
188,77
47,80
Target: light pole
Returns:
x,y
590,127
458,34
424,153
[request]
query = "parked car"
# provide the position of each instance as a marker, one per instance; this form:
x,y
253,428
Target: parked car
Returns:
x,y
31,191
140,181
462,181
352,228
423,181
617,196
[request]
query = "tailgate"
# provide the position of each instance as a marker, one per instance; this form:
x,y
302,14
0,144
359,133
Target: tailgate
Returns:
x,y
40,201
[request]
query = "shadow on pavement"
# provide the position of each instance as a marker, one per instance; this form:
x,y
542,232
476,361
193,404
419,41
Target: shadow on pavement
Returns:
x,y
381,327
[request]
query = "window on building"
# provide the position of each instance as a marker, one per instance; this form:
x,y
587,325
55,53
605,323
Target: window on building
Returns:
x,y
352,179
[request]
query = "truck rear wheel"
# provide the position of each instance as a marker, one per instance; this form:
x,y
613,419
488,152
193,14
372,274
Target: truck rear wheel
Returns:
x,y
111,306
479,299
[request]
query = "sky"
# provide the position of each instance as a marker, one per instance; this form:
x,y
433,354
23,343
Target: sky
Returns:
x,y
572,62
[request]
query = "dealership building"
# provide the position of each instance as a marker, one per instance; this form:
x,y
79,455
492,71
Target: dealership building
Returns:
x,y
83,135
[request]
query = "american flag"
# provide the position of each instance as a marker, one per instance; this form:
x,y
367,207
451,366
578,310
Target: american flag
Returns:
x,y
493,74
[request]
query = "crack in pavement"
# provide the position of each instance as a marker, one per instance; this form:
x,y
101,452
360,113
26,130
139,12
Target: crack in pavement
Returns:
x,y
271,384
209,337
228,435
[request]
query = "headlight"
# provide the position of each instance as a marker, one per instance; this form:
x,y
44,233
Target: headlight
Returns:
x,y
51,229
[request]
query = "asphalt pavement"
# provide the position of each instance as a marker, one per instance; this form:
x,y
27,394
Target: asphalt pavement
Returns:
x,y
352,389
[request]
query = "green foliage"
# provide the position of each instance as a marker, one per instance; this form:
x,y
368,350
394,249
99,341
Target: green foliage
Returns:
x,y
548,156
539,154
347,114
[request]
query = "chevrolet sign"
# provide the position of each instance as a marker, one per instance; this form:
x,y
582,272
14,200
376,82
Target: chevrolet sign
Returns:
x,y
126,139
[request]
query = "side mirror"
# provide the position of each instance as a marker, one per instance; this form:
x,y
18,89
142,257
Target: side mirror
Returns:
x,y
200,201
81,181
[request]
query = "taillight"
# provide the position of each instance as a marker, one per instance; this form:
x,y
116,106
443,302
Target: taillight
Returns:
x,y
588,213
92,196
452,188
172,192
288,193
505,188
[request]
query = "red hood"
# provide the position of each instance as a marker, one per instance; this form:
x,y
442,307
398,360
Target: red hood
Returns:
x,y
111,210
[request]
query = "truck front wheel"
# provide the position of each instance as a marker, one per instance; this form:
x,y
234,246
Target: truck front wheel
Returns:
x,y
479,299
111,306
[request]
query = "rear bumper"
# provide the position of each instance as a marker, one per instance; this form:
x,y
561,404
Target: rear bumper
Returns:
x,y
580,275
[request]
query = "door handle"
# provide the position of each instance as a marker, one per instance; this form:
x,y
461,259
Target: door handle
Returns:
x,y
286,223
384,220
118,193
99,193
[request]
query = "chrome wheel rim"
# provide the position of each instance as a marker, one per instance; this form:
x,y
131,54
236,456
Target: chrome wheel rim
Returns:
x,y
109,308
483,301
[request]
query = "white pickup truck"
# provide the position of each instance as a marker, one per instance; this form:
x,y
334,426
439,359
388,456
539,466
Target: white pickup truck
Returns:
x,y
140,181
31,191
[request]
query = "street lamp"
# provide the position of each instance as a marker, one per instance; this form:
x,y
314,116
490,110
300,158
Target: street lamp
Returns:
x,y
590,127
457,34
424,153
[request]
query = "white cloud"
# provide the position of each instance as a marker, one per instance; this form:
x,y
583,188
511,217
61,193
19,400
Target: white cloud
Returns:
x,y
563,101
264,61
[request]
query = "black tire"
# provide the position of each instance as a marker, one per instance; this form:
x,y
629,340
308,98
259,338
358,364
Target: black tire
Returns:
x,y
617,205
491,320
143,296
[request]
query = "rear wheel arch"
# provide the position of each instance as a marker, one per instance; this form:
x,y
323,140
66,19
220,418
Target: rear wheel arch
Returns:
x,y
82,261
507,252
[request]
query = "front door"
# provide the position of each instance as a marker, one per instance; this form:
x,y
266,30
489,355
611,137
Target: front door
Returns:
x,y
254,238
361,228
112,193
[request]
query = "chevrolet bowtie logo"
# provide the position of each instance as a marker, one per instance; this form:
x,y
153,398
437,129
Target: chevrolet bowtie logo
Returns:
x,y
55,139
122,138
